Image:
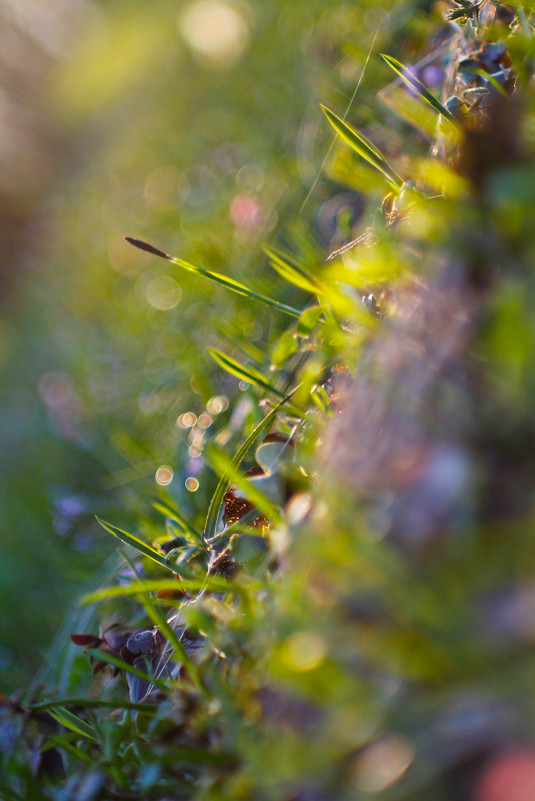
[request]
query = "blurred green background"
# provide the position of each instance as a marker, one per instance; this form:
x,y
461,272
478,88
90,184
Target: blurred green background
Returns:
x,y
194,125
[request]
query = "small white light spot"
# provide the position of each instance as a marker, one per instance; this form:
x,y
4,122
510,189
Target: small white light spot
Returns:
x,y
192,484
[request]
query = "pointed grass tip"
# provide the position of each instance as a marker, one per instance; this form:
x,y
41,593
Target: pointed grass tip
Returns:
x,y
138,243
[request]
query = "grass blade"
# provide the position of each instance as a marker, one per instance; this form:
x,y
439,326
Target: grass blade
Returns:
x,y
217,498
170,511
249,374
181,655
93,703
145,550
293,272
118,663
364,148
224,466
413,83
73,722
229,283
213,584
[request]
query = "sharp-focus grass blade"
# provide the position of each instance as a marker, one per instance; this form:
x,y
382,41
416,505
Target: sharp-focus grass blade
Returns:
x,y
118,663
417,86
145,550
293,272
224,280
365,149
249,374
73,722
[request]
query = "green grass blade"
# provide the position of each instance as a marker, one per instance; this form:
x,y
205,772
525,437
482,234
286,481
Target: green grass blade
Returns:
x,y
217,498
490,78
224,466
118,663
213,584
170,511
308,320
144,549
413,83
249,374
293,272
224,280
364,148
73,722
181,655
93,703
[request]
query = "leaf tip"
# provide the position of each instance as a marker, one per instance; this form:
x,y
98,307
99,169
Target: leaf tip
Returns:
x,y
141,245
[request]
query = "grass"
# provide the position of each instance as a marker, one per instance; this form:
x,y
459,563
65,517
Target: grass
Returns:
x,y
342,620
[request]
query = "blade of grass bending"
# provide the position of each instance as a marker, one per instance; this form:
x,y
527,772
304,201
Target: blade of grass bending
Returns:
x,y
170,511
365,149
249,374
224,466
73,722
118,663
181,655
293,272
229,283
145,549
217,497
422,91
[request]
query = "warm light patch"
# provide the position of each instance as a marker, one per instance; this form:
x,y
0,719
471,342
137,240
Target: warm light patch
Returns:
x,y
164,475
216,31
304,651
509,776
381,764
187,420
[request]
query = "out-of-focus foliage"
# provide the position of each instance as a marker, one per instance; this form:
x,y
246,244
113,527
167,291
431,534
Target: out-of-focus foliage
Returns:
x,y
331,597
103,348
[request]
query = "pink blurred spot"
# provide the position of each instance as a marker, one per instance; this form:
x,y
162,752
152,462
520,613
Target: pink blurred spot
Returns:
x,y
245,211
508,777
